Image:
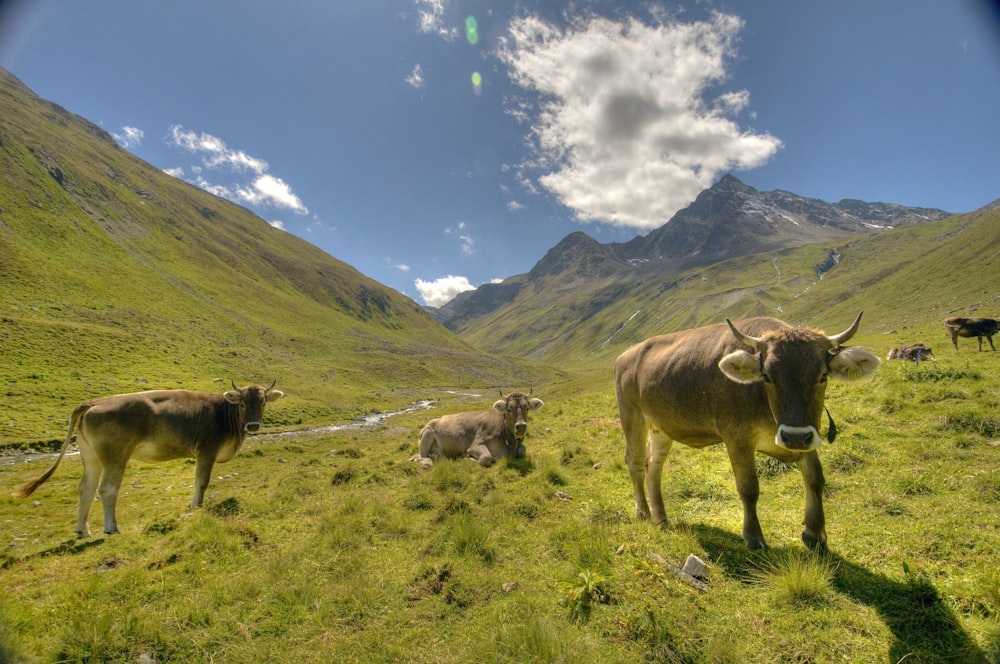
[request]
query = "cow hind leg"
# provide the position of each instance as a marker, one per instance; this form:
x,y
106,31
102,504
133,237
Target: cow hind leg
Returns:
x,y
634,427
657,447
88,485
111,481
427,447
87,491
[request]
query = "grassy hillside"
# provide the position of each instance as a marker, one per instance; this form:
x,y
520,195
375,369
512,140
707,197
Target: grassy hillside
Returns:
x,y
538,559
906,280
116,277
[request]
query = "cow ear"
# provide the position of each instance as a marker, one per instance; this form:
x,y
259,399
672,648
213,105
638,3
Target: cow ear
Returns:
x,y
853,363
501,405
742,367
274,395
233,396
536,403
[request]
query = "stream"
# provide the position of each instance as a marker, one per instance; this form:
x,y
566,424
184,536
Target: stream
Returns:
x,y
372,419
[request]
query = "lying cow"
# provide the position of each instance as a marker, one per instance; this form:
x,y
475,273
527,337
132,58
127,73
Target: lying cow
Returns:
x,y
155,426
702,387
482,435
915,352
971,327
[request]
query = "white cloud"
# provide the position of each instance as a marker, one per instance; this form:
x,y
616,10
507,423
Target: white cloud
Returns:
x,y
468,244
263,189
621,128
129,137
402,267
441,291
416,77
269,190
431,19
277,223
514,206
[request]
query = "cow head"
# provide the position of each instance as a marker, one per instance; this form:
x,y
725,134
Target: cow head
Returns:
x,y
794,365
251,400
515,407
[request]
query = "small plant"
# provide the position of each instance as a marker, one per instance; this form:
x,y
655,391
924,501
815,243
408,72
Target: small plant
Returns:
x,y
798,579
581,592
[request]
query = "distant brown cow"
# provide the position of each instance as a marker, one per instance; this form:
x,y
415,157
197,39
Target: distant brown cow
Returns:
x,y
482,435
155,426
916,352
971,327
757,385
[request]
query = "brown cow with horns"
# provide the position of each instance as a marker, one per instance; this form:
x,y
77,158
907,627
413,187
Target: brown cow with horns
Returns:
x,y
158,425
481,435
756,386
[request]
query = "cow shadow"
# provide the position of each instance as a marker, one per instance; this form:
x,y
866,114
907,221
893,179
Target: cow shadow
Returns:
x,y
69,547
923,626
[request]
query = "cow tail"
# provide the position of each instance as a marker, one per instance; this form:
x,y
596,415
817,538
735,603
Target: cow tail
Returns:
x,y
29,487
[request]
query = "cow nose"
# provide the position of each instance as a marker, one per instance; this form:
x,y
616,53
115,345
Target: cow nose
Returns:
x,y
520,428
795,440
251,427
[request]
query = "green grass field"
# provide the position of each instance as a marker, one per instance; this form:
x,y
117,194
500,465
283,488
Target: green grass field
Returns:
x,y
336,547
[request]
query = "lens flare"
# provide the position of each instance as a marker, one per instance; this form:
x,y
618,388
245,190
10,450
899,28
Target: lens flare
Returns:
x,y
472,30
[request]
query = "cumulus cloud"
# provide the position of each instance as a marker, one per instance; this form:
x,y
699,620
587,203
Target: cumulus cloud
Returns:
x,y
129,137
441,291
620,124
254,185
416,77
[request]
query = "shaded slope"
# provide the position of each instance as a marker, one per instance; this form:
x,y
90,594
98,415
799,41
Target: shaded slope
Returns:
x,y
115,276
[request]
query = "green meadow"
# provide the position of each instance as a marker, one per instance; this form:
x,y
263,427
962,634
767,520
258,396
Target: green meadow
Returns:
x,y
337,547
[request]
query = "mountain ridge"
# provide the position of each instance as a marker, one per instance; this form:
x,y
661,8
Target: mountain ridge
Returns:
x,y
728,220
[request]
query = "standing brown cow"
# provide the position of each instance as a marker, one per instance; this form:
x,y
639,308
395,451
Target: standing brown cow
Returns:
x,y
755,386
155,426
971,327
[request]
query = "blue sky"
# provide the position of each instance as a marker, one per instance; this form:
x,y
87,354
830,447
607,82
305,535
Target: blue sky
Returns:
x,y
437,145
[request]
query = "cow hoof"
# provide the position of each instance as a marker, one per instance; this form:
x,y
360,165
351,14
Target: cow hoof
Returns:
x,y
426,463
756,545
814,543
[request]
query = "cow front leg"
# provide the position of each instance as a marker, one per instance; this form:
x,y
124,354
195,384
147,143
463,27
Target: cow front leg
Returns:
x,y
657,446
741,456
814,535
202,476
479,452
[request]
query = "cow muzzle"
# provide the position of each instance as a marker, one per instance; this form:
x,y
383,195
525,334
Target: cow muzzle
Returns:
x,y
251,427
797,439
520,430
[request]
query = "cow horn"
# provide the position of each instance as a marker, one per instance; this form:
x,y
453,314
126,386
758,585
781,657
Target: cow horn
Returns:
x,y
838,339
271,386
501,393
233,383
753,342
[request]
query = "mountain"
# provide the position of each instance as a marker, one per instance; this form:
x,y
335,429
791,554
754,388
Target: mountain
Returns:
x,y
731,219
726,221
115,277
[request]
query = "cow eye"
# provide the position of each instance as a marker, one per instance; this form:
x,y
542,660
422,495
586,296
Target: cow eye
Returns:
x,y
767,379
824,378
